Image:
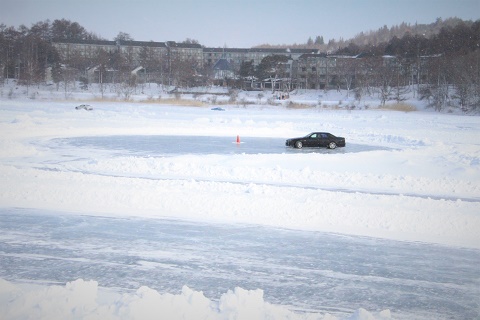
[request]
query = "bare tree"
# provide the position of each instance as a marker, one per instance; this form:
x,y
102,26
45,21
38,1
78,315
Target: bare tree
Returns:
x,y
190,41
68,76
439,87
123,36
346,70
365,77
127,85
183,71
102,60
272,67
385,76
466,76
401,81
66,30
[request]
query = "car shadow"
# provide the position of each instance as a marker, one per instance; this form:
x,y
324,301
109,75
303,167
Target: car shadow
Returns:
x,y
349,148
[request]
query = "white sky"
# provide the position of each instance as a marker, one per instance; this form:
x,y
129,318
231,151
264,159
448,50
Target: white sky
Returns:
x,y
235,23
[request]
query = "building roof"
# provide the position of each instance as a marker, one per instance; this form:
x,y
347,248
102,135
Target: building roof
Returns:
x,y
141,43
313,55
222,64
226,50
92,42
174,44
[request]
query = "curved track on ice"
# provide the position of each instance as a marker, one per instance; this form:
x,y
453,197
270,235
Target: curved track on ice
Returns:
x,y
166,145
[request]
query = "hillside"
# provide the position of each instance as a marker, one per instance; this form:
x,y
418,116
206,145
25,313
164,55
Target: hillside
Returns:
x,y
381,35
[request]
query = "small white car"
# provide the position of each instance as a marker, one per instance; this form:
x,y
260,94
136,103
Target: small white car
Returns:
x,y
84,106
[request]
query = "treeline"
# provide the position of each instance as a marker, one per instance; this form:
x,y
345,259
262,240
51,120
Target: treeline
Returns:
x,y
377,37
439,61
25,53
385,34
452,40
443,67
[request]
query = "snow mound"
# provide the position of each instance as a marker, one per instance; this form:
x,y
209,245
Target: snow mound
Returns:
x,y
82,299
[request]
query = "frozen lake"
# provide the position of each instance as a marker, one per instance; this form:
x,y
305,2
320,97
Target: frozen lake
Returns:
x,y
308,271
156,145
135,195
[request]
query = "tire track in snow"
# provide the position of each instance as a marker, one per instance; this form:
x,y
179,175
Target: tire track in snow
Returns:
x,y
288,185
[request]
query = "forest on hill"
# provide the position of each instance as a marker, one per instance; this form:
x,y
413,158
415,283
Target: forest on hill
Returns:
x,y
383,35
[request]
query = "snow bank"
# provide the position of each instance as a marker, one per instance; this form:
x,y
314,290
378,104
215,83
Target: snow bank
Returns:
x,y
85,300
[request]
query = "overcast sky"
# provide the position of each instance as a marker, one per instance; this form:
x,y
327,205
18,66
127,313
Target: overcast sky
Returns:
x,y
235,23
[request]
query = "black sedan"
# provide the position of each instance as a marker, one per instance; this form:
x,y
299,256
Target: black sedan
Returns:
x,y
317,139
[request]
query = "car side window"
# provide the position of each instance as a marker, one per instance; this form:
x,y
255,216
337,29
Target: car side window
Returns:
x,y
313,136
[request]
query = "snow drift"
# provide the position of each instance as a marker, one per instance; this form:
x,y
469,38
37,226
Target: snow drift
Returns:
x,y
80,300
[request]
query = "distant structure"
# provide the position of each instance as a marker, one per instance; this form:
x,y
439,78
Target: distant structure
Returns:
x,y
223,72
172,63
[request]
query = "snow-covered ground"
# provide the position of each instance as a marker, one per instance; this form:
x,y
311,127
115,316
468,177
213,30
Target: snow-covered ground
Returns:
x,y
408,176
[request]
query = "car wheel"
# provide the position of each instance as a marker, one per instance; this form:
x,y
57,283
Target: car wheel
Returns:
x,y
298,145
332,145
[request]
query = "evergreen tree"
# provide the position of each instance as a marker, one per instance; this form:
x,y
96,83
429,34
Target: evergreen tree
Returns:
x,y
319,40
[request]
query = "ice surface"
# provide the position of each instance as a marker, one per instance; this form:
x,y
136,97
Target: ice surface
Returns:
x,y
165,145
310,272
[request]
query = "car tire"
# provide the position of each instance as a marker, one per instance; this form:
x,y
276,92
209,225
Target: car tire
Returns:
x,y
298,144
332,145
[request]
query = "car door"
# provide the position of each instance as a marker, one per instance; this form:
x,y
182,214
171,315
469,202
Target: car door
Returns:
x,y
323,140
312,140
